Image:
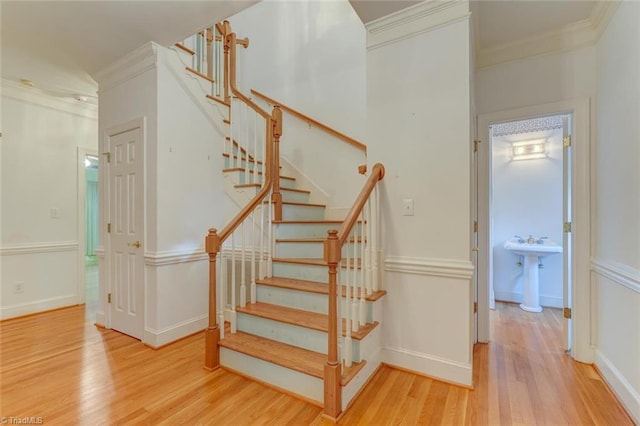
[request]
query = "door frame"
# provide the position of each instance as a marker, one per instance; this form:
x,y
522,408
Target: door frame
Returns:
x,y
82,153
105,175
581,206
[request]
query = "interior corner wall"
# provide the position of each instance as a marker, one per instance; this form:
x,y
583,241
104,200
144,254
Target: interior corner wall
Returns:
x,y
419,128
616,261
39,200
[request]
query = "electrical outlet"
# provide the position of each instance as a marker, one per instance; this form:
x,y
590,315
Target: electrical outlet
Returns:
x,y
18,287
407,207
54,213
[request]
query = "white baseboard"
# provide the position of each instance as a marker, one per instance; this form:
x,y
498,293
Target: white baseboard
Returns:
x,y
429,365
546,301
36,306
626,394
157,338
101,319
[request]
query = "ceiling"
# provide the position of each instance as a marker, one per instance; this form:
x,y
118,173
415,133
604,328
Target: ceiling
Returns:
x,y
59,45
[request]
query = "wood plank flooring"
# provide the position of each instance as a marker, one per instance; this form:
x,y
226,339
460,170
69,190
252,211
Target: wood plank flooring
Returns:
x,y
65,370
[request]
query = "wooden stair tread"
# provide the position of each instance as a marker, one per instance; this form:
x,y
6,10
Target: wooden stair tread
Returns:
x,y
292,357
219,100
292,203
311,240
311,286
184,48
199,74
259,185
307,319
315,261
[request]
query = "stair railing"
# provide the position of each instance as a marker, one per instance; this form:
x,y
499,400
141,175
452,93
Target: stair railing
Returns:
x,y
360,278
246,236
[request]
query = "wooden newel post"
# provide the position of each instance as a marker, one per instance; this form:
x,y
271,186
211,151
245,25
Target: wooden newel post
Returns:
x,y
333,368
212,335
276,116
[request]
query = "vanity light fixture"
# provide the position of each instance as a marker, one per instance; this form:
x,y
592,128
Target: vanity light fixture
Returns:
x,y
528,150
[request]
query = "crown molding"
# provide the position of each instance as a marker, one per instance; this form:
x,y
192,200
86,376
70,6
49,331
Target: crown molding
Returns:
x,y
570,37
415,20
128,67
33,95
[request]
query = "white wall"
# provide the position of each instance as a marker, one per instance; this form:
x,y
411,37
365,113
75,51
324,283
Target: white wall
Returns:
x,y
616,261
419,128
184,184
526,200
311,56
41,135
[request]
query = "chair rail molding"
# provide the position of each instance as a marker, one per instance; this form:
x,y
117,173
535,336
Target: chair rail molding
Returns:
x,y
618,273
40,247
172,257
449,268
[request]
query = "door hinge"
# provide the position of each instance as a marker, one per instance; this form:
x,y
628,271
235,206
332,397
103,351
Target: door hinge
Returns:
x,y
475,307
566,142
107,155
475,145
108,228
566,227
109,298
566,312
475,226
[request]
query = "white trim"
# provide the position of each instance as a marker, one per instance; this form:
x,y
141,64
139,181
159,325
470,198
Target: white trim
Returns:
x,y
37,248
174,257
429,365
623,390
618,273
545,301
37,306
82,225
415,20
156,338
450,268
572,36
36,96
99,251
128,67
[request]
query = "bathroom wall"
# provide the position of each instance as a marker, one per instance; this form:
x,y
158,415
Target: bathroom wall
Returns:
x,y
527,200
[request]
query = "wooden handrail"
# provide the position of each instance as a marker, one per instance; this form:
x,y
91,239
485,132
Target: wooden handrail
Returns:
x,y
312,122
377,173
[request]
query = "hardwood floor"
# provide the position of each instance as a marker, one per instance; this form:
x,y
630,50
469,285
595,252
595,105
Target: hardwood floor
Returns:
x,y
67,371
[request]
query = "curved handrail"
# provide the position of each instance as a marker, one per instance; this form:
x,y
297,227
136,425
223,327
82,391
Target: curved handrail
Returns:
x,y
377,173
230,40
312,121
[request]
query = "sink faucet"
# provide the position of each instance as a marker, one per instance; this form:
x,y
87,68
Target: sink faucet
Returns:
x,y
541,240
531,240
520,240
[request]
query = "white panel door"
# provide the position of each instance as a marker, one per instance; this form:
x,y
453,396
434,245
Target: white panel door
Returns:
x,y
566,235
126,214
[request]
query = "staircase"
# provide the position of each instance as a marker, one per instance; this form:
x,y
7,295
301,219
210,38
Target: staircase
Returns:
x,y
294,303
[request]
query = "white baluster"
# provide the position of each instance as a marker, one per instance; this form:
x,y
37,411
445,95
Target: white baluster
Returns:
x,y
256,177
367,244
375,239
221,292
348,343
261,266
270,239
245,145
233,284
253,257
243,272
363,293
355,323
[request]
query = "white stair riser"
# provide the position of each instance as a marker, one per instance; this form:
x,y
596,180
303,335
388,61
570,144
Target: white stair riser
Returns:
x,y
287,196
312,302
293,335
301,272
294,212
231,163
310,250
302,384
239,177
306,230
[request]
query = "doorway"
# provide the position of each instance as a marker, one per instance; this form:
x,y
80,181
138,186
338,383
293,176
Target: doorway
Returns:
x,y
577,201
529,201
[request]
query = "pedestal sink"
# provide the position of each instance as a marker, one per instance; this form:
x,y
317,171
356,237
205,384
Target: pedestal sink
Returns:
x,y
531,250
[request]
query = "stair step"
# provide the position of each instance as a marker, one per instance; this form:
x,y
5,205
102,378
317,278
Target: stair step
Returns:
x,y
305,228
311,247
300,318
317,262
199,74
285,181
289,195
311,286
184,48
302,211
288,356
